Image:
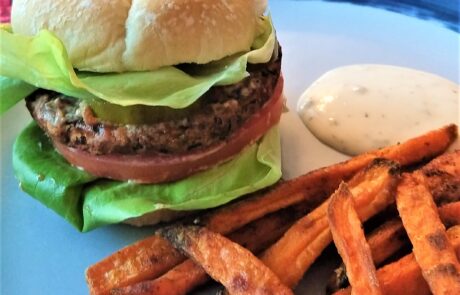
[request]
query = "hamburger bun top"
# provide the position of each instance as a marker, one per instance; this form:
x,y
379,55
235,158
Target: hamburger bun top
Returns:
x,y
139,35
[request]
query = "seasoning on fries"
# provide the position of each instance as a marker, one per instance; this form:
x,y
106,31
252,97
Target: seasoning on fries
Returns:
x,y
442,177
142,260
431,247
179,280
450,214
389,238
227,262
404,276
303,243
296,211
188,275
386,240
348,235
383,242
305,188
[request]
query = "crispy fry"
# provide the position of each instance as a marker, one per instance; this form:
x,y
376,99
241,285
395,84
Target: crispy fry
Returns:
x,y
422,147
431,247
291,256
186,276
263,232
299,247
443,180
389,238
386,240
443,177
316,186
179,280
404,276
131,264
312,188
348,235
227,262
450,214
338,280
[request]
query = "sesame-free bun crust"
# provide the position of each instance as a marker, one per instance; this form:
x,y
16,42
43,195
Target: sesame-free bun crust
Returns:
x,y
138,35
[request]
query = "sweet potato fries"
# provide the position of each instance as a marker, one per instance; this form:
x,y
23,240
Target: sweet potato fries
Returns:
x,y
227,262
351,243
432,249
296,251
290,219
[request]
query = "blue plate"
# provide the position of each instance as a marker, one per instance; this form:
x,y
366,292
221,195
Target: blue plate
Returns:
x,y
43,254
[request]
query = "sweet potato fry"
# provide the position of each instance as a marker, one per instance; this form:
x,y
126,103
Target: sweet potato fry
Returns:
x,y
386,240
316,186
431,247
227,262
443,180
131,264
389,238
299,247
263,232
186,276
442,176
312,188
450,214
422,147
404,276
179,280
348,235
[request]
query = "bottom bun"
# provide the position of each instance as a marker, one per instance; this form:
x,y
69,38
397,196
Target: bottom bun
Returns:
x,y
151,218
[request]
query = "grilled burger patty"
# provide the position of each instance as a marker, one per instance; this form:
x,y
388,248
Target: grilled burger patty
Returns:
x,y
222,110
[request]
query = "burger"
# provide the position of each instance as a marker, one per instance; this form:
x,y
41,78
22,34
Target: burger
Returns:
x,y
143,110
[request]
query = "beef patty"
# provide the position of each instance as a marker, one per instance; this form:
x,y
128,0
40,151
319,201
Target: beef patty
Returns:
x,y
223,109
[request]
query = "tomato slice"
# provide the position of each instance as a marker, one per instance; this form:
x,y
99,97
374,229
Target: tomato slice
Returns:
x,y
166,168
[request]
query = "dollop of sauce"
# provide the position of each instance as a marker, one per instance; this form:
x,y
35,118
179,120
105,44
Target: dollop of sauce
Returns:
x,y
358,108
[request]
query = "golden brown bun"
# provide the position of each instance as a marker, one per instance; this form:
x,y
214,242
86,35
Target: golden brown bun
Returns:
x,y
125,35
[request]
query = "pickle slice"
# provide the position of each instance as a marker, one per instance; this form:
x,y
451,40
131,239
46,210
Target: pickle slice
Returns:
x,y
139,114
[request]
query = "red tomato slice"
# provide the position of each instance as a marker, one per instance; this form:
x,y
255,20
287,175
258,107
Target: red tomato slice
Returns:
x,y
161,168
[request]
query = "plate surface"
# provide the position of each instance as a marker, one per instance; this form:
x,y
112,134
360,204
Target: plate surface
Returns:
x,y
43,254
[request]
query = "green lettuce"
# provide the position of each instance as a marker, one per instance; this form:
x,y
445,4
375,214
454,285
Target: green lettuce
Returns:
x,y
88,202
27,62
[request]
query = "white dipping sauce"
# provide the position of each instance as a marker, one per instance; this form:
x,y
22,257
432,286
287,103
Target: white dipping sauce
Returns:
x,y
359,108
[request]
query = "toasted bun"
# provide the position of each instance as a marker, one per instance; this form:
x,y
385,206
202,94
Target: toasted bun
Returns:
x,y
137,35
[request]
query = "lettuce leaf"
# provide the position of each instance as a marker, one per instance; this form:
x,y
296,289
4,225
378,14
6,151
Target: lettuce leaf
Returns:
x,y
12,91
88,202
42,61
47,176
